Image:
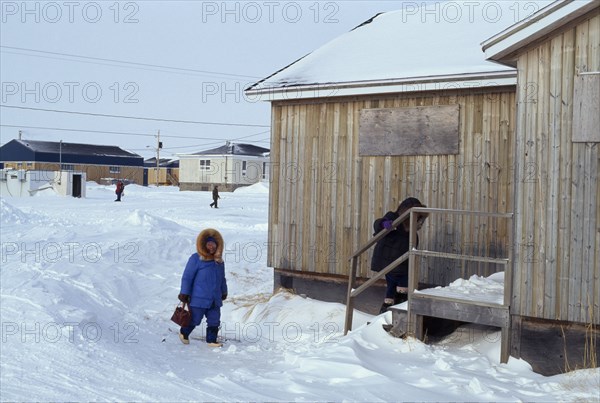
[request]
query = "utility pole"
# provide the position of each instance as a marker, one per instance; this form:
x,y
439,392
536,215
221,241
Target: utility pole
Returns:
x,y
59,161
158,147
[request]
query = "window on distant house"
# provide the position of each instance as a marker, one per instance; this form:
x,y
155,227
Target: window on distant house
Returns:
x,y
19,165
67,167
30,165
204,164
114,170
244,167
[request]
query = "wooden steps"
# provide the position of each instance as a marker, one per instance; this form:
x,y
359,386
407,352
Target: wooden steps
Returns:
x,y
425,306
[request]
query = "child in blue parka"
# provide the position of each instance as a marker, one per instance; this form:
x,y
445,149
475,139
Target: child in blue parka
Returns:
x,y
204,287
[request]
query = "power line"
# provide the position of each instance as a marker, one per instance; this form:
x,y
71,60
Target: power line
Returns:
x,y
134,117
236,138
252,135
113,132
78,130
128,67
128,62
212,143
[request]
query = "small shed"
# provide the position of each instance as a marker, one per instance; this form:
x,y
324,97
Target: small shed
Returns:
x,y
22,183
230,166
101,163
403,105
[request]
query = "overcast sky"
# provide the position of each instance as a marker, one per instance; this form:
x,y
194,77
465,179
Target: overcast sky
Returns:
x,y
182,61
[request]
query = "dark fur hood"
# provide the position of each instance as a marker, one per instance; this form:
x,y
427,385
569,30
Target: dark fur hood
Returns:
x,y
201,245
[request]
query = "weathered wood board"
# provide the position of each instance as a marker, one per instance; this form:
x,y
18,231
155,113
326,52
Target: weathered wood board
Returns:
x,y
465,311
421,130
586,108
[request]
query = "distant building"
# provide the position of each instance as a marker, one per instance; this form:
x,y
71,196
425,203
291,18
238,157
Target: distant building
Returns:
x,y
101,163
230,166
168,172
22,183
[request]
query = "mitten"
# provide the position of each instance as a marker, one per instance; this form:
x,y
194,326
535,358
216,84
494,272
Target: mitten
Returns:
x,y
184,298
223,297
387,224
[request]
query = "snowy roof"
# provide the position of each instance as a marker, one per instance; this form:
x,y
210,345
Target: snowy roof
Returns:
x,y
236,149
55,151
435,43
502,45
163,162
75,148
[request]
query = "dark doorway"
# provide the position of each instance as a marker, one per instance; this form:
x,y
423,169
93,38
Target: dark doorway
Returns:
x,y
76,185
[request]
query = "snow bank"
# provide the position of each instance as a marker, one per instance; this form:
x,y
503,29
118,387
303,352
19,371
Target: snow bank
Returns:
x,y
10,214
257,188
89,285
477,288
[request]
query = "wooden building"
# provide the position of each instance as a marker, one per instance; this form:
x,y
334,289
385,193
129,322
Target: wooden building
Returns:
x,y
374,117
556,287
101,163
230,166
165,174
336,164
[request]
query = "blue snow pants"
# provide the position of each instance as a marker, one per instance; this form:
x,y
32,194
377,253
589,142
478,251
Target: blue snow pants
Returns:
x,y
213,318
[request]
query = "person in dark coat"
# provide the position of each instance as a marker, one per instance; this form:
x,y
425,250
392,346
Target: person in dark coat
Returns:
x,y
204,287
216,197
391,247
119,190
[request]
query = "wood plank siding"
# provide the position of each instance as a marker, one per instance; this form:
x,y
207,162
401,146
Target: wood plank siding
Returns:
x,y
95,173
324,196
557,211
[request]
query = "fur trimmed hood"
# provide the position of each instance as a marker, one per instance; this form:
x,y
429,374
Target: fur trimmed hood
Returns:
x,y
201,244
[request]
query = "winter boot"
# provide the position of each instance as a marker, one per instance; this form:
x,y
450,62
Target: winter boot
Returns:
x,y
400,298
387,302
211,336
184,339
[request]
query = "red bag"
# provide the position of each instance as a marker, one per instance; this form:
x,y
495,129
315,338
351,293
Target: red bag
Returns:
x,y
182,315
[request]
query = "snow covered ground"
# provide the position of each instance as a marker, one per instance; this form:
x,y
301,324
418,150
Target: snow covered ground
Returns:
x,y
88,287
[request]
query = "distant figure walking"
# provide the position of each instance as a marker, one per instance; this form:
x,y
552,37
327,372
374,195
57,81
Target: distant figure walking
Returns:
x,y
119,190
216,197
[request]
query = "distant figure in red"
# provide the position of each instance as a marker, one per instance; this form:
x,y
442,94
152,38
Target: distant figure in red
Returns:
x,y
119,191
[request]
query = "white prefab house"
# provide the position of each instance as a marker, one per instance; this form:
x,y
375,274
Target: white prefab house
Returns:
x,y
229,167
22,183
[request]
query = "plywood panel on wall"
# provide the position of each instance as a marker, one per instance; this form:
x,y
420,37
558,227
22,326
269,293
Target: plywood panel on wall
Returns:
x,y
420,130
